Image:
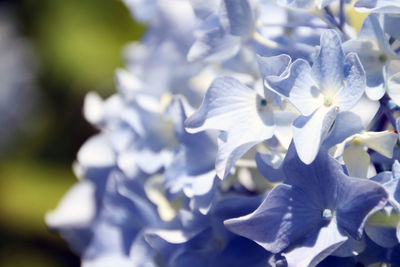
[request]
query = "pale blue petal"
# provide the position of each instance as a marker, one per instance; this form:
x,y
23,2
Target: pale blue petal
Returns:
x,y
202,191
204,8
234,108
355,83
327,69
234,143
297,86
374,51
237,17
273,66
370,61
214,45
227,103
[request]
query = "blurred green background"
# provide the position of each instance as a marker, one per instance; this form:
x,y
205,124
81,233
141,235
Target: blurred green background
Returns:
x,y
78,45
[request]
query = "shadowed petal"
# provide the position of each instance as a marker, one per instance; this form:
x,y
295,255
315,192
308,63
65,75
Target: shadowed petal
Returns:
x,y
282,219
357,199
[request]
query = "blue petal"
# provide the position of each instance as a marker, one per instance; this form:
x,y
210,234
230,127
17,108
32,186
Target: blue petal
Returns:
x,y
237,17
282,219
391,26
320,177
346,124
357,199
383,235
266,168
350,248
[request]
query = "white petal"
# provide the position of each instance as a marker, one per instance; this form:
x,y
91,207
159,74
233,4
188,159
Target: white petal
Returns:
x,y
309,132
382,142
96,152
356,160
76,209
93,109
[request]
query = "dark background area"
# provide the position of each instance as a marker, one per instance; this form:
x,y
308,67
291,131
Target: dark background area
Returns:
x,y
77,45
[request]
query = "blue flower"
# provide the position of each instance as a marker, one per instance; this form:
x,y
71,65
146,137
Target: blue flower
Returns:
x,y
245,116
317,208
333,84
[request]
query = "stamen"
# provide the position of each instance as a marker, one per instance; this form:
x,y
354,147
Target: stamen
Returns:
x,y
327,214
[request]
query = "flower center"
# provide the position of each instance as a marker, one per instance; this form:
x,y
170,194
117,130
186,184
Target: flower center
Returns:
x,y
382,58
263,102
327,214
328,101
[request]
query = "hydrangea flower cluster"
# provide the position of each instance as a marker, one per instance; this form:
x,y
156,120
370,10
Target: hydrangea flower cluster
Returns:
x,y
244,133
